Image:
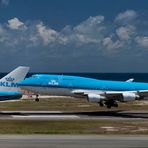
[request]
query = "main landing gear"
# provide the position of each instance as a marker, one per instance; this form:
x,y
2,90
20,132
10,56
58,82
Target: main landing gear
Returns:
x,y
109,104
101,104
37,98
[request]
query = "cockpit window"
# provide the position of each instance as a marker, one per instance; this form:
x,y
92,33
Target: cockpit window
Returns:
x,y
34,76
67,79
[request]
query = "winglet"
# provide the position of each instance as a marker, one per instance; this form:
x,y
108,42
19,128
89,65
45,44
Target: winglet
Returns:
x,y
130,80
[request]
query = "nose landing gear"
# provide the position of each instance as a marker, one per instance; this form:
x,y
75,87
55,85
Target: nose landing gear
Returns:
x,y
37,98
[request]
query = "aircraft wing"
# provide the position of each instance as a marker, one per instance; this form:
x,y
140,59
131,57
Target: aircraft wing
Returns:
x,y
106,94
113,95
143,93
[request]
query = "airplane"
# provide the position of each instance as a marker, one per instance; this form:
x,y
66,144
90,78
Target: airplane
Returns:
x,y
9,89
104,92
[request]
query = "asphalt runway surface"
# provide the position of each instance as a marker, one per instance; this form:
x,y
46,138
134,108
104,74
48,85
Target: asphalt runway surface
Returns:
x,y
57,115
68,141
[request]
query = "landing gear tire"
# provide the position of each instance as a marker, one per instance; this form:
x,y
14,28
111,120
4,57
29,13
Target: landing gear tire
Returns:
x,y
109,106
115,105
37,99
101,104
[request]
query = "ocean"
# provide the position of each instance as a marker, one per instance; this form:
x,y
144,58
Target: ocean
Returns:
x,y
138,77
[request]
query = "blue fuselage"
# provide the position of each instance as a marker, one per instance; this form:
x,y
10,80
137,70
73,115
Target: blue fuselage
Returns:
x,y
74,82
5,95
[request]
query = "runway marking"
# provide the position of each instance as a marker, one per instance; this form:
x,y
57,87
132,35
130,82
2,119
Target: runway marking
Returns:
x,y
46,117
34,112
59,115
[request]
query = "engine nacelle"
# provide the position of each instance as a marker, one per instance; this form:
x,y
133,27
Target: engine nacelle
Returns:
x,y
129,96
95,98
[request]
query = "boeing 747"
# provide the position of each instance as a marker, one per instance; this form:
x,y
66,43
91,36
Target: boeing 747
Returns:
x,y
106,93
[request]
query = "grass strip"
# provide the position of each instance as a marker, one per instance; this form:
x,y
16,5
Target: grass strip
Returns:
x,y
65,104
73,127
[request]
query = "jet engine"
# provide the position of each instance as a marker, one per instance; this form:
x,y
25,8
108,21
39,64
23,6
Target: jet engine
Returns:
x,y
129,96
95,98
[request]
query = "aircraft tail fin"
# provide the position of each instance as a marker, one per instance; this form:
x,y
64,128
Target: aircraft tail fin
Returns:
x,y
8,82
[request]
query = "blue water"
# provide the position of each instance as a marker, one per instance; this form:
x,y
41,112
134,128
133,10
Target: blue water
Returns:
x,y
139,77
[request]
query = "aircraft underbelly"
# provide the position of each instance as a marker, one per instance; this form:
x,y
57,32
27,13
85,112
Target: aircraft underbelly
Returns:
x,y
10,97
49,90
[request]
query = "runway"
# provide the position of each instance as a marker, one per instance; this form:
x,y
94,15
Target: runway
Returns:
x,y
58,115
67,141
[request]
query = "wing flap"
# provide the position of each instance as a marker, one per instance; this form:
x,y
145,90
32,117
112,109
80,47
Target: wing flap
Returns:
x,y
143,93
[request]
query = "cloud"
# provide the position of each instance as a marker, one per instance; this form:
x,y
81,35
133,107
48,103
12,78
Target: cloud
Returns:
x,y
125,32
89,31
48,35
89,24
92,28
4,2
109,44
16,24
126,17
142,41
94,31
85,46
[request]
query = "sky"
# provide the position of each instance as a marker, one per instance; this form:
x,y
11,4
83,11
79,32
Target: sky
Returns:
x,y
74,35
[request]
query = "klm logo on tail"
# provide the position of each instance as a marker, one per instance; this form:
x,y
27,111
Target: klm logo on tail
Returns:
x,y
10,79
8,83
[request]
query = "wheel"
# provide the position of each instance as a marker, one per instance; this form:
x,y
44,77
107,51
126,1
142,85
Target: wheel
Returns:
x,y
115,105
101,104
109,106
37,99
